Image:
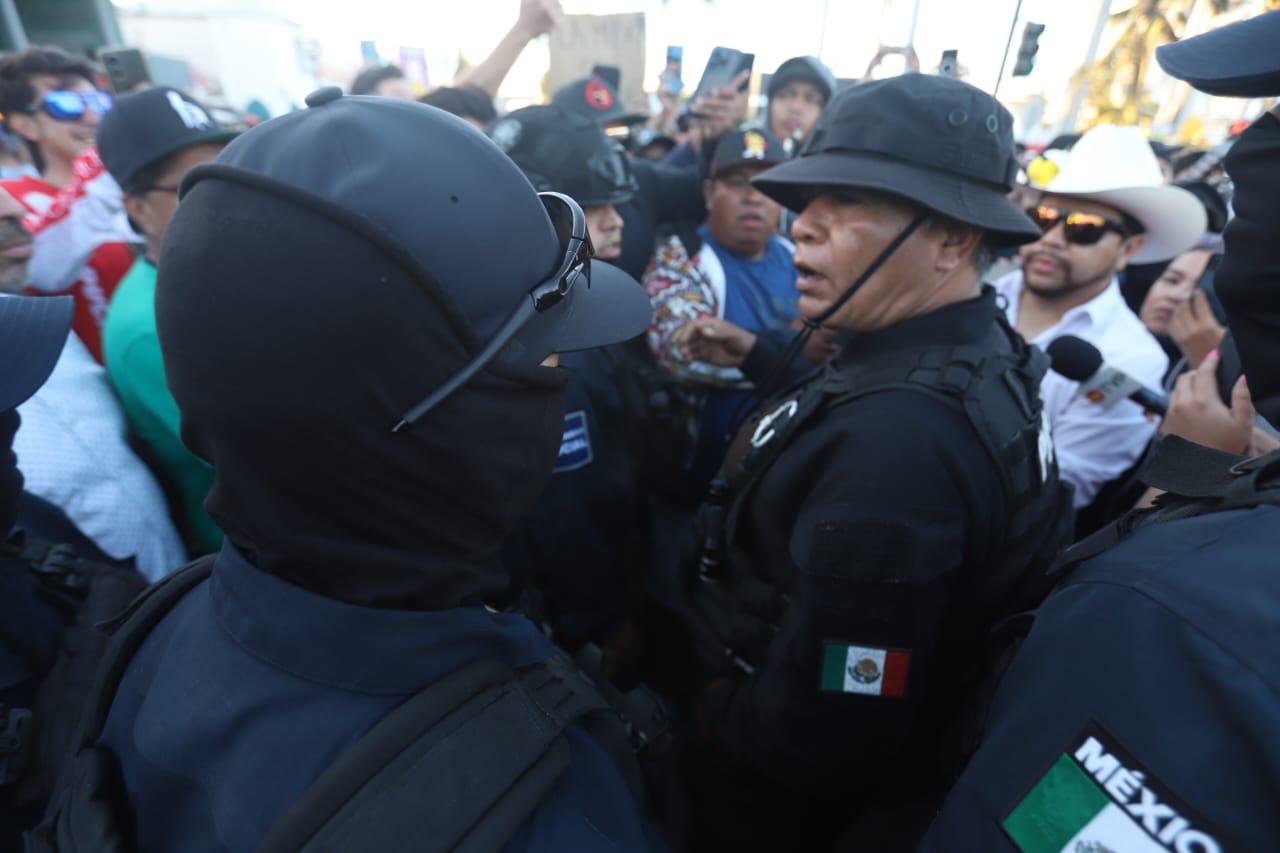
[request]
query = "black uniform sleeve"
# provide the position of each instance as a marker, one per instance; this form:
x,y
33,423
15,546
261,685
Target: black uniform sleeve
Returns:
x,y
896,498
769,345
674,194
763,358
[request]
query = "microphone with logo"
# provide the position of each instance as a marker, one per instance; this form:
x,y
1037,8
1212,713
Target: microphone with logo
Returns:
x,y
1080,361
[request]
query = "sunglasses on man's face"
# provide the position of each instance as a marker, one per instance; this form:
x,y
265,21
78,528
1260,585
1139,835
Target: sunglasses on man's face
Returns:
x,y
1079,229
65,105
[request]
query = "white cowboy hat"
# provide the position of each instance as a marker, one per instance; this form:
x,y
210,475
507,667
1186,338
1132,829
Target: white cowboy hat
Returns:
x,y
1115,166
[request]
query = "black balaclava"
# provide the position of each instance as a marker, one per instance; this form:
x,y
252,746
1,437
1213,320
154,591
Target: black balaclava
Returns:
x,y
1248,280
292,345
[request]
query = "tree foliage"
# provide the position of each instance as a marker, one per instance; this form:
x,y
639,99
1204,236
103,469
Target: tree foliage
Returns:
x,y
1115,85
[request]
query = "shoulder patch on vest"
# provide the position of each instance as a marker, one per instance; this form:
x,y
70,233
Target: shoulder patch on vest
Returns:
x,y
867,670
1097,797
575,444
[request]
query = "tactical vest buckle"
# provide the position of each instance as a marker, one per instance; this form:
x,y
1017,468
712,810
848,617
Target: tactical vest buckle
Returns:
x,y
60,565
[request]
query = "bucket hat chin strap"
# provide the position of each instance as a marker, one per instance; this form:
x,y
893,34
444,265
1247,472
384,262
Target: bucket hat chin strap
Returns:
x,y
811,325
797,343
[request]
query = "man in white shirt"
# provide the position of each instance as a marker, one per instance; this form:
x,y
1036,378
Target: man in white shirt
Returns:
x,y
1107,208
72,452
71,445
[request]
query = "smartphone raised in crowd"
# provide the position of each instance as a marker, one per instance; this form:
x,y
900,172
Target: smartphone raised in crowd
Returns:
x,y
724,65
126,69
672,81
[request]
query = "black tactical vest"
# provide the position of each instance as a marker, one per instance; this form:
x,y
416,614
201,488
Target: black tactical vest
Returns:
x,y
995,383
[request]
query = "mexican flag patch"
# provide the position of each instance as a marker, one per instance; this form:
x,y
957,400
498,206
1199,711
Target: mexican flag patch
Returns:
x,y
867,670
1096,798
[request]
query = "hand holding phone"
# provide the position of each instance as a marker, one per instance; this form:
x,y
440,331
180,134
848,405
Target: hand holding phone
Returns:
x,y
126,69
720,111
726,67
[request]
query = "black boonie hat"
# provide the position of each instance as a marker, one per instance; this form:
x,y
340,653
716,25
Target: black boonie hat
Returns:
x,y
596,101
438,218
566,154
142,127
746,147
1239,60
933,140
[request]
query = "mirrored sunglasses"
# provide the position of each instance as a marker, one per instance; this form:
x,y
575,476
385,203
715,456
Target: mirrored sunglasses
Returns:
x,y
1079,229
65,105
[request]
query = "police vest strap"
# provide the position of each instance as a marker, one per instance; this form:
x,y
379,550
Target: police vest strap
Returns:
x,y
1191,470
641,710
969,378
459,766
1196,480
996,389
127,633
80,816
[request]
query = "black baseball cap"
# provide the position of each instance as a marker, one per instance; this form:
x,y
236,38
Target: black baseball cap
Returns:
x,y
934,140
652,136
566,153
593,99
33,330
143,127
1239,60
465,222
747,147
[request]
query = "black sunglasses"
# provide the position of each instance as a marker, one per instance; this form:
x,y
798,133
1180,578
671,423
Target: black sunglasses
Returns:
x,y
1079,229
571,229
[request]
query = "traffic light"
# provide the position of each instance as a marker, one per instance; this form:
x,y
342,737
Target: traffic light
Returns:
x,y
1028,49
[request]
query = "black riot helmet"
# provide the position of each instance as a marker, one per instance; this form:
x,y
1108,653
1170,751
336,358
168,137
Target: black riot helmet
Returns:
x,y
561,152
469,194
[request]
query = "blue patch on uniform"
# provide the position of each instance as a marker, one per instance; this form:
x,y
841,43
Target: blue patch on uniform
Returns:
x,y
575,444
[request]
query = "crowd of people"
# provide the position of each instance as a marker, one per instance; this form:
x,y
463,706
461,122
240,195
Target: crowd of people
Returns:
x,y
600,480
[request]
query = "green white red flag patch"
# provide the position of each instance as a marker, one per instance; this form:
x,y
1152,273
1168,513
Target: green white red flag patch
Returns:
x,y
867,670
1097,798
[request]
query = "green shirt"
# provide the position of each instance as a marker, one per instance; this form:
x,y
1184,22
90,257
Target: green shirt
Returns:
x,y
136,370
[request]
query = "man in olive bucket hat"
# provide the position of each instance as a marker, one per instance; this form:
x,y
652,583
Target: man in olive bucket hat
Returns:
x,y
871,524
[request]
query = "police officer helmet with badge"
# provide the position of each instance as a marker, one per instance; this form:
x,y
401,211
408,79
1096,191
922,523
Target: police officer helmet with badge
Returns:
x,y
871,524
1141,711
582,552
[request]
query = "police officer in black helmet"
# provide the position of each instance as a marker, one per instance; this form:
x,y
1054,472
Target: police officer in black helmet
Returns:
x,y
583,551
664,197
378,404
871,524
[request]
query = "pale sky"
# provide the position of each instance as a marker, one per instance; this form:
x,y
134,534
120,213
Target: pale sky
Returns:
x,y
844,32
772,29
